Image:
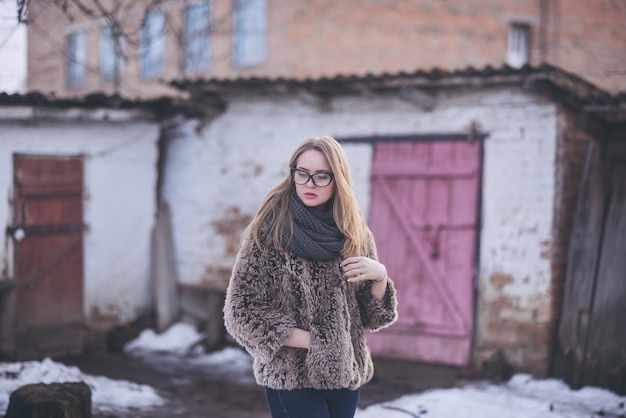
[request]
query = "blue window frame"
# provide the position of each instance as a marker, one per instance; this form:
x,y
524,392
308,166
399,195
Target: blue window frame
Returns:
x,y
153,45
250,33
76,58
197,37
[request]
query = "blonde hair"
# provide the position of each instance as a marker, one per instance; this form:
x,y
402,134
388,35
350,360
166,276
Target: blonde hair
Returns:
x,y
274,209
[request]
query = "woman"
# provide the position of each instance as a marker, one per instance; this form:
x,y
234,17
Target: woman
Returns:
x,y
306,286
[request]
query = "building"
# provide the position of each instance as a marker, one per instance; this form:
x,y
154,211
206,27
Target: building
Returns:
x,y
404,85
469,180
79,182
131,50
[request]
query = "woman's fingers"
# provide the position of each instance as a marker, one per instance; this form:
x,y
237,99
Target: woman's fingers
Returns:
x,y
362,268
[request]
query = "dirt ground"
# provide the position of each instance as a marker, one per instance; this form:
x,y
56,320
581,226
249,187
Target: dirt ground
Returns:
x,y
199,392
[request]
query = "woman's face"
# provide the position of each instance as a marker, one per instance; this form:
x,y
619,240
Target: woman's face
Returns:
x,y
312,162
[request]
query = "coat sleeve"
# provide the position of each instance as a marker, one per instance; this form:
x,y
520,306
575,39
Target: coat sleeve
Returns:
x,y
377,314
250,312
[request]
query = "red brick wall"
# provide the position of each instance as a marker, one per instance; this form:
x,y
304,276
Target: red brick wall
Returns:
x,y
589,38
324,38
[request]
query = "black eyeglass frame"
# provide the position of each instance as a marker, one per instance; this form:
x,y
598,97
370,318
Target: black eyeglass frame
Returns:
x,y
311,176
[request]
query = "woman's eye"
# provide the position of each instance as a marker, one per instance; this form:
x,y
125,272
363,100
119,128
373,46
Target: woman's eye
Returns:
x,y
321,176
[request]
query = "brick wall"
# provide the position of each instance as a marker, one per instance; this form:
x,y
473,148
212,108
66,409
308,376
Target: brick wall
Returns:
x,y
589,38
323,38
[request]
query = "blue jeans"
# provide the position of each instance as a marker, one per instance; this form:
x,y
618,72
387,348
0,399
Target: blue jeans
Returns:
x,y
312,403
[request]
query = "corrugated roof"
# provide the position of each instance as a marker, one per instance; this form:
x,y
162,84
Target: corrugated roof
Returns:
x,y
98,106
208,96
95,100
157,108
559,84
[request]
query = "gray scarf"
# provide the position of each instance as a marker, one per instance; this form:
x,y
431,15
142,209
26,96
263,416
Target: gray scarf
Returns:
x,y
315,234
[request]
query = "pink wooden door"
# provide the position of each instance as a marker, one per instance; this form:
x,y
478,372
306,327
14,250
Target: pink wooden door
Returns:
x,y
424,213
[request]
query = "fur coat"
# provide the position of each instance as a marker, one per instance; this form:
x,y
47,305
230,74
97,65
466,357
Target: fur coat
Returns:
x,y
270,292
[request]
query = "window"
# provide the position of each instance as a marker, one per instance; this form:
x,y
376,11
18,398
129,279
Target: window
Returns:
x,y
75,58
153,45
519,45
110,59
250,32
197,32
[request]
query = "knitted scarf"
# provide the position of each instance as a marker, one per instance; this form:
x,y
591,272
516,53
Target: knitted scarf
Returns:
x,y
315,234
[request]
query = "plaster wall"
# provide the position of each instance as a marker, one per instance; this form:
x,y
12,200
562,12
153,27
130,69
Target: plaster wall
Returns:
x,y
119,206
218,175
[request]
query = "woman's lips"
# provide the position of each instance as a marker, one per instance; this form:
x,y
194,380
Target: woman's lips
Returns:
x,y
310,195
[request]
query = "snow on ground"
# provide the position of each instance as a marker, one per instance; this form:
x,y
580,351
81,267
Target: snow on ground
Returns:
x,y
520,397
106,394
178,349
110,395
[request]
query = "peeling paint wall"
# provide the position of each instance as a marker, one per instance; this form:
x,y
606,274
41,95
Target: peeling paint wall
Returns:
x,y
119,206
514,289
217,176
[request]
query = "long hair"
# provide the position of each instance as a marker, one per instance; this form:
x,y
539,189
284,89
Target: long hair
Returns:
x,y
274,210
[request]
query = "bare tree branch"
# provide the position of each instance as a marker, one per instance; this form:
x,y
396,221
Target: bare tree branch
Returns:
x,y
22,8
83,8
125,21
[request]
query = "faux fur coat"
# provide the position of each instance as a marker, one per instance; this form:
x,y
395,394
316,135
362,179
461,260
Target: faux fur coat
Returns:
x,y
271,292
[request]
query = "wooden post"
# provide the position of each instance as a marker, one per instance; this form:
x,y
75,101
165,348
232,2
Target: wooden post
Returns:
x,y
55,400
215,321
164,270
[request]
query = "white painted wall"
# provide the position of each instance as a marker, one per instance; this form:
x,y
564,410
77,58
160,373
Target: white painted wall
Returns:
x,y
119,206
518,214
234,161
220,176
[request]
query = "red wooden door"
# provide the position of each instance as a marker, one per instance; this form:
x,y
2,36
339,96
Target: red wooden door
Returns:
x,y
424,213
48,236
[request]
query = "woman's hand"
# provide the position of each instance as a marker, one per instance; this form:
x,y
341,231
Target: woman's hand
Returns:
x,y
358,269
299,338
